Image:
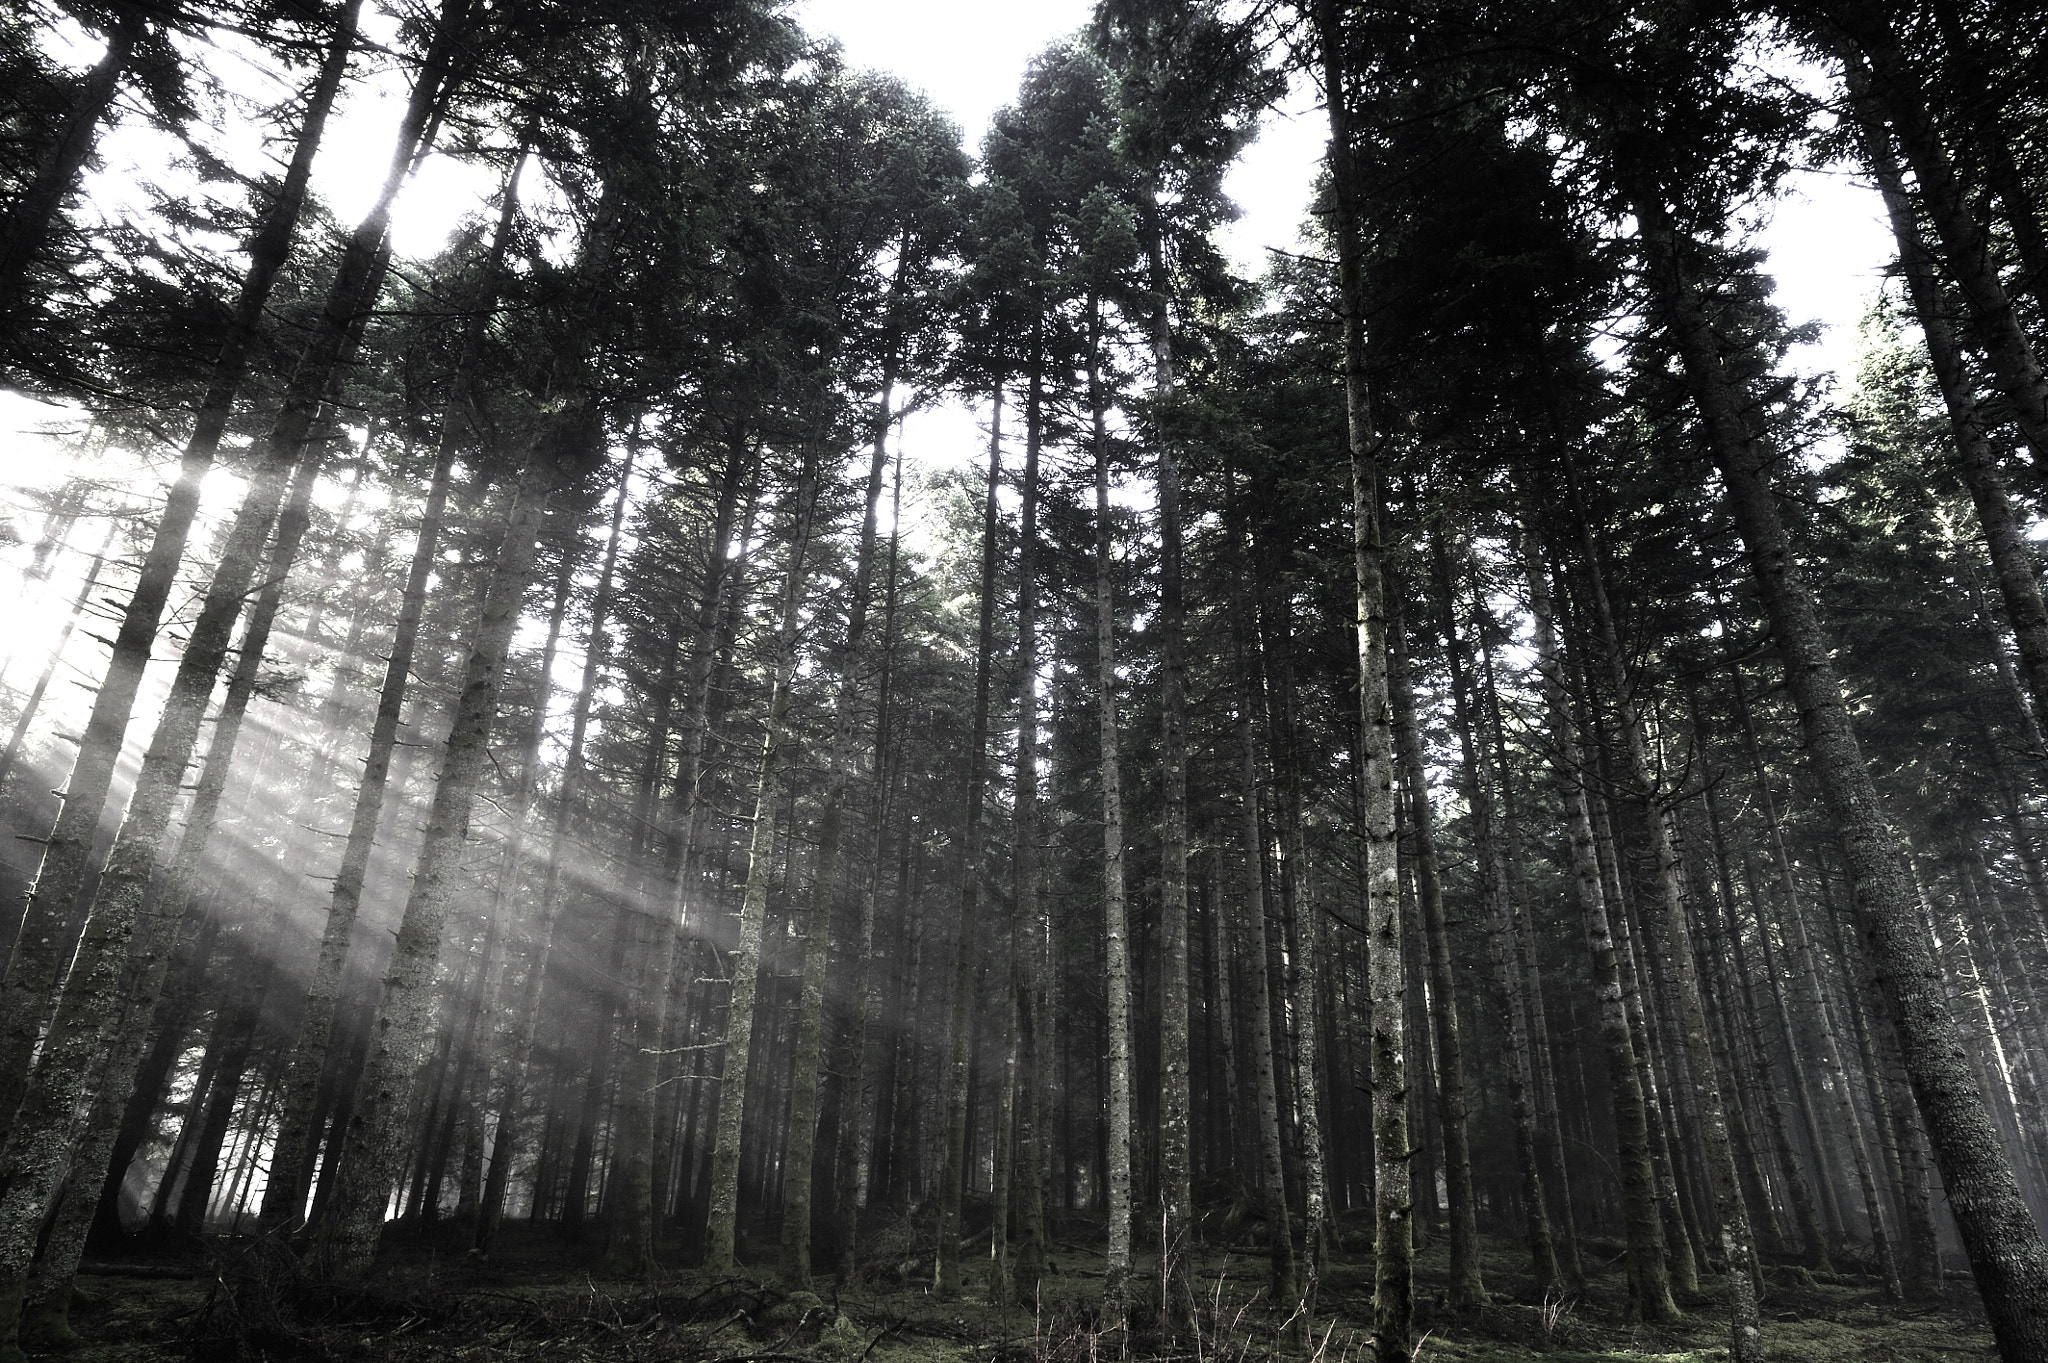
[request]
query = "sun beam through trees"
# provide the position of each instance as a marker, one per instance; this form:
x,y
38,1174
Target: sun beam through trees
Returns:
x,y
1445,767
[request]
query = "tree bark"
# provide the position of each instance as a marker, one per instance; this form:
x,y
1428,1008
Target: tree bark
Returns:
x,y
1496,907
56,174
34,964
798,1154
1738,1246
1393,1248
1519,909
1272,1168
1812,1240
745,963
39,1143
1649,1285
649,1002
1467,1288
852,1158
1116,931
2005,1247
290,1180
1031,941
399,1031
1176,1196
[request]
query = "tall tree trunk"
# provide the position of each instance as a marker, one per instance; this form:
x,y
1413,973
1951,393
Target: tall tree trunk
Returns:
x,y
745,963
967,947
1496,908
1649,1285
1466,1289
1807,963
1738,1247
541,930
2005,1247
1116,932
41,1132
798,1157
173,920
1393,1249
1813,1242
291,1173
1176,1195
39,1144
648,1004
852,1158
516,805
1272,1167
1030,943
1519,908
399,1031
56,173
1300,1019
34,964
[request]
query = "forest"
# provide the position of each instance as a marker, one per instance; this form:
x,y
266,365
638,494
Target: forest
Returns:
x,y
1440,802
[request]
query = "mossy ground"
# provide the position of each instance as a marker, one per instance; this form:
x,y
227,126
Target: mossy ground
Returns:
x,y
539,1301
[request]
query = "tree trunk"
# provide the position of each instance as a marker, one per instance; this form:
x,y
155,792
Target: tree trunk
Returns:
x,y
1030,943
1295,958
1495,907
399,1031
953,1151
1272,1169
1116,1285
1813,1242
648,1004
851,1159
56,174
1467,1288
1649,1285
39,1144
1519,910
290,1180
798,1156
541,932
1176,1196
745,963
1393,1271
2004,1245
34,964
197,1197
1738,1247
1807,963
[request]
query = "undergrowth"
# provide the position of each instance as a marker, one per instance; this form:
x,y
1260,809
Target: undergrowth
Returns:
x,y
244,1302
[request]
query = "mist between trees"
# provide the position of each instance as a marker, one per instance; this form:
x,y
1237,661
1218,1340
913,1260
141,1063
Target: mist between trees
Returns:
x,y
1518,766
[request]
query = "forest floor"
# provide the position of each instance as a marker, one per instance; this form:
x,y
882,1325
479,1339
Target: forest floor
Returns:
x,y
543,1301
